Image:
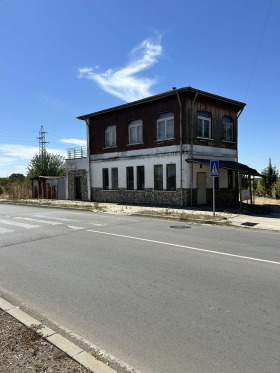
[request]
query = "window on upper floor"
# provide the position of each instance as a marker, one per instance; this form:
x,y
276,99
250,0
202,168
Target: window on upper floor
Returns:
x,y
227,129
135,132
110,136
203,125
165,126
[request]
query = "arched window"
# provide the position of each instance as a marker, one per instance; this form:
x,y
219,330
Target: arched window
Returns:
x,y
165,126
227,129
110,136
135,132
203,125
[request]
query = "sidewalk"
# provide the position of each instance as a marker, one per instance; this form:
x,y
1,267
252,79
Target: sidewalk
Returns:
x,y
268,222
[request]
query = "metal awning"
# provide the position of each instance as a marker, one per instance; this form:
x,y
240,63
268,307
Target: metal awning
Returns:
x,y
228,165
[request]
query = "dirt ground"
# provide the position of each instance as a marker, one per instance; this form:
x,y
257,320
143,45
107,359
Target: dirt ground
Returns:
x,y
22,350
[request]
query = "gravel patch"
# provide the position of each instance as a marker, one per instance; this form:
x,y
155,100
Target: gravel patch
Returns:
x,y
23,350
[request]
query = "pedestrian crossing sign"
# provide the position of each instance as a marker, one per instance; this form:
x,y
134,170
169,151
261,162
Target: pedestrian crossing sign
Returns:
x,y
214,168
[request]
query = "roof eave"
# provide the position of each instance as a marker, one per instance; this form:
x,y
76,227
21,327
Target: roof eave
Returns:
x,y
239,104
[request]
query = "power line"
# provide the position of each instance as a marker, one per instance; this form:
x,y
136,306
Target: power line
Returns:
x,y
10,129
258,52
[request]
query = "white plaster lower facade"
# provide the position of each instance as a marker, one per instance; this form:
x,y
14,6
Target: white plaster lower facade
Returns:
x,y
159,156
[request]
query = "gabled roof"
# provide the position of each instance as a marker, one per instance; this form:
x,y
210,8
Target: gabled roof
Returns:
x,y
239,105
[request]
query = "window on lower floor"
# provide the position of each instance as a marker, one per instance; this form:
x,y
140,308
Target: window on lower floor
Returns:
x,y
140,178
171,176
129,178
230,179
158,177
203,125
115,178
227,129
217,183
105,176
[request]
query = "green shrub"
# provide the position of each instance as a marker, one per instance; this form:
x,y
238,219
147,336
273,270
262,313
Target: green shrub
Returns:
x,y
276,189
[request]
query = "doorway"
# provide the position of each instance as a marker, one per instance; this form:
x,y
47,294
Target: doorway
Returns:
x,y
201,188
78,187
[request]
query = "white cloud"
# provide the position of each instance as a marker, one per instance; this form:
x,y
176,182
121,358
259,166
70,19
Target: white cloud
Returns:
x,y
123,83
74,142
15,158
13,151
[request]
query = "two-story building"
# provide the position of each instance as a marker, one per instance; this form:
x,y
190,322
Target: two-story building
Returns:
x,y
157,151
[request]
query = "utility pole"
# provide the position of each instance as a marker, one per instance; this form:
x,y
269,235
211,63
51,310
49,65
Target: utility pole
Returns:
x,y
42,142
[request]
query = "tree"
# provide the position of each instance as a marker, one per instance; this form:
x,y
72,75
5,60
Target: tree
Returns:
x,y
47,164
270,176
16,178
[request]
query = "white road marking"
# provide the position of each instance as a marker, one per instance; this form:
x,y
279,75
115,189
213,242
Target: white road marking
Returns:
x,y
17,224
54,218
40,221
188,247
75,228
5,230
98,225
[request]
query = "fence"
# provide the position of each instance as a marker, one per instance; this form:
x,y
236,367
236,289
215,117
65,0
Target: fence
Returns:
x,y
74,153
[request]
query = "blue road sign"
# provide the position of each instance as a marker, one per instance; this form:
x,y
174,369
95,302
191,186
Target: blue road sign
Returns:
x,y
214,168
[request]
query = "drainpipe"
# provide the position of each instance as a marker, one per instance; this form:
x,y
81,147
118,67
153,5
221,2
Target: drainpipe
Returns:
x,y
181,147
239,175
88,158
192,134
238,115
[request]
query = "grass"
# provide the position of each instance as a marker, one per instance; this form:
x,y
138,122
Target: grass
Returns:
x,y
183,216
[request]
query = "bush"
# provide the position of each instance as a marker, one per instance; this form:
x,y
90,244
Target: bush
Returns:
x,y
260,189
2,190
276,189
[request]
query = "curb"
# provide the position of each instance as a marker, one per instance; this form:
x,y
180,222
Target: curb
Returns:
x,y
78,354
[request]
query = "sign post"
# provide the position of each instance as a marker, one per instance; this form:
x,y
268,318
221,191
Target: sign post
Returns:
x,y
214,172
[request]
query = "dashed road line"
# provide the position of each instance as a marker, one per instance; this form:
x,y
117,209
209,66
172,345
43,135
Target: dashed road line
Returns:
x,y
54,218
75,228
40,221
18,224
5,230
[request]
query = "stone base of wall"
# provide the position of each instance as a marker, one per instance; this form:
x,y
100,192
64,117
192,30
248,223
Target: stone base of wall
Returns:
x,y
72,174
138,197
224,198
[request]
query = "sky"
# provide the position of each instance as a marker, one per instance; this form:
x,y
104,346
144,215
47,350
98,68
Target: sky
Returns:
x,y
63,58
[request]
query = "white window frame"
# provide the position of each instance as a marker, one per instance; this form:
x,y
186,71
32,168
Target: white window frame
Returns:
x,y
164,121
158,177
227,129
205,121
135,132
111,136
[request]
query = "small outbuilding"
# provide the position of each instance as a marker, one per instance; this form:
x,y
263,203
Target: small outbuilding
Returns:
x,y
49,187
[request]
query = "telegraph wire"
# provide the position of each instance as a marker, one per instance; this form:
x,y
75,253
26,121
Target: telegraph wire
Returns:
x,y
11,129
258,52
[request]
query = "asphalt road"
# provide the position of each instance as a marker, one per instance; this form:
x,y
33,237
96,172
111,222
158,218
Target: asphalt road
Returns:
x,y
162,296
